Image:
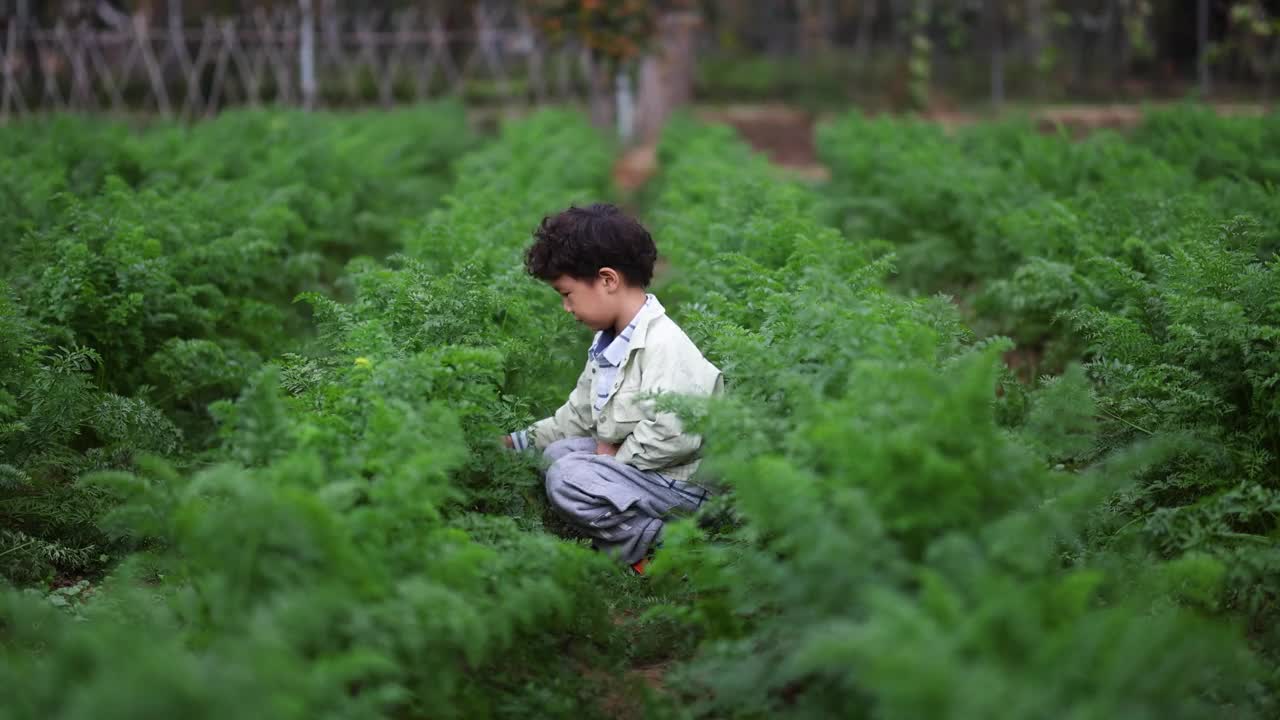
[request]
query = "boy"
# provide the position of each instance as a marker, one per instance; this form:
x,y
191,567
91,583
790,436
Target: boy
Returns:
x,y
618,466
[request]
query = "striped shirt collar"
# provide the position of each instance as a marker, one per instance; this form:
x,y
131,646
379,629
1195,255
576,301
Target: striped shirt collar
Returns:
x,y
610,349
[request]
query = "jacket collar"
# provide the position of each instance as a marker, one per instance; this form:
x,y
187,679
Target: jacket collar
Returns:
x,y
618,348
651,311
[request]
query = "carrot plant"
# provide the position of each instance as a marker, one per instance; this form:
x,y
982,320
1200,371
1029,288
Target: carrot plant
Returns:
x,y
1149,261
274,371
150,273
906,531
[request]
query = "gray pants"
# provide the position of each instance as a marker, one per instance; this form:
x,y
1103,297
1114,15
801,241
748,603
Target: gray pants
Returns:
x,y
619,507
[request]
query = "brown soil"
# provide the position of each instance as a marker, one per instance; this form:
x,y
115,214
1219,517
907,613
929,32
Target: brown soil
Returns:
x,y
1025,362
783,133
623,697
1081,120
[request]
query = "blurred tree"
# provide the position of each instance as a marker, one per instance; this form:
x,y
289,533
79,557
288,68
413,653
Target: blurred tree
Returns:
x,y
919,64
614,31
617,31
996,12
816,20
1255,37
1202,45
867,11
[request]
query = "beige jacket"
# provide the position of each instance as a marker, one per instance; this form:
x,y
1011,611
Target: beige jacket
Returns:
x,y
660,359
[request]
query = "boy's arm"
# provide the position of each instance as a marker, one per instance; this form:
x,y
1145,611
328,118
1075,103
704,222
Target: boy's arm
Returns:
x,y
659,441
572,419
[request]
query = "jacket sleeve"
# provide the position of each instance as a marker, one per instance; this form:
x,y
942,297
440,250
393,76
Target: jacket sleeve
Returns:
x,y
659,441
573,419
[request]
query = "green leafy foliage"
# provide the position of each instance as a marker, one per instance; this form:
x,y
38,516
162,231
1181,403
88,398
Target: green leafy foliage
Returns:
x,y
331,556
149,273
906,542
1151,260
1190,348
296,439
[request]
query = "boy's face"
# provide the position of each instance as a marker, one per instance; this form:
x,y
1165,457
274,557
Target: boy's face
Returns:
x,y
595,303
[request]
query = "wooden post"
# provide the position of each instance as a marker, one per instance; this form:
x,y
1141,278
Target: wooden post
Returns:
x,y
80,94
179,50
11,99
488,41
142,36
995,36
220,67
177,35
1202,44
1037,42
33,68
537,66
307,54
1112,27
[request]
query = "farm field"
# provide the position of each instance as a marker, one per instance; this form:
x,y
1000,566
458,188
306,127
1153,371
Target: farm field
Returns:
x,y
1001,435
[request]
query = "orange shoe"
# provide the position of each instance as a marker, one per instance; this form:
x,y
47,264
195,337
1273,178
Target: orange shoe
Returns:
x,y
640,566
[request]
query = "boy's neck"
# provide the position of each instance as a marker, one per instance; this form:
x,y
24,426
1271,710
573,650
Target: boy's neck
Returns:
x,y
629,307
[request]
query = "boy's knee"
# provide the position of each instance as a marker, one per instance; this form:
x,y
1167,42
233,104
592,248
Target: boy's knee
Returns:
x,y
557,478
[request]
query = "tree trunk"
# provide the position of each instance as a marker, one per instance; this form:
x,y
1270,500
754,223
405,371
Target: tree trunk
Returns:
x,y
601,99
1269,70
805,27
826,25
666,73
815,22
730,21
866,24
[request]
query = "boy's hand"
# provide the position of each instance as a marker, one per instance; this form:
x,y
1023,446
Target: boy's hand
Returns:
x,y
604,448
506,440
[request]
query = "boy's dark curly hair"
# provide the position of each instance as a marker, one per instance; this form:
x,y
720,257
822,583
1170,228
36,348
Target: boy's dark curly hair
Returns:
x,y
579,241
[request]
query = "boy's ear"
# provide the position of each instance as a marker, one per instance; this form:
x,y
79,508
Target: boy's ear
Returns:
x,y
611,278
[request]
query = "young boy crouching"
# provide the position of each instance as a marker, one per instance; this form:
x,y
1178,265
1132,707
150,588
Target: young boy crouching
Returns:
x,y
617,467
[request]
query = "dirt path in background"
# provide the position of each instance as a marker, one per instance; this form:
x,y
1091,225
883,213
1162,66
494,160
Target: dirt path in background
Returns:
x,y
1081,120
783,134
623,700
